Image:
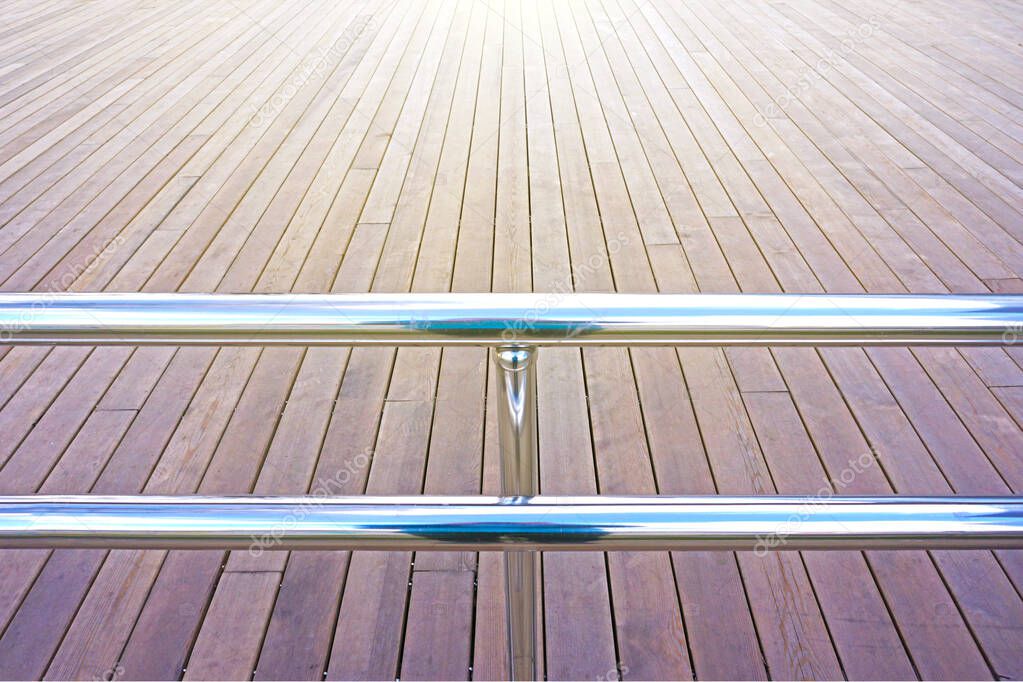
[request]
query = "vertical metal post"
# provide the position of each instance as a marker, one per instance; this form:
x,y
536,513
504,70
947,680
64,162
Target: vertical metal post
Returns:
x,y
516,366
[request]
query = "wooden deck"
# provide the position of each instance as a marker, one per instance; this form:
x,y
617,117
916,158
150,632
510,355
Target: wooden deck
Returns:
x,y
499,145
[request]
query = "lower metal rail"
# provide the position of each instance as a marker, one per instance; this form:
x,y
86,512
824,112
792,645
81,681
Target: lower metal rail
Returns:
x,y
511,525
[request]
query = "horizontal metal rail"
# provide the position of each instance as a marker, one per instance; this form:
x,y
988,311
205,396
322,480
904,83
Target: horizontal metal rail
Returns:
x,y
493,523
500,319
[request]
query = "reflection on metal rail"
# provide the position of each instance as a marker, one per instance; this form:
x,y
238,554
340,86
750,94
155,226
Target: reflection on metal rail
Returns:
x,y
497,319
521,522
496,523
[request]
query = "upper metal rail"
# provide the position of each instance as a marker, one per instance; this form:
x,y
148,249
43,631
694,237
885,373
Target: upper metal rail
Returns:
x,y
509,319
602,523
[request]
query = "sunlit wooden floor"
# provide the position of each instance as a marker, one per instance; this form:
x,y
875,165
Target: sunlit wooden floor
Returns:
x,y
491,145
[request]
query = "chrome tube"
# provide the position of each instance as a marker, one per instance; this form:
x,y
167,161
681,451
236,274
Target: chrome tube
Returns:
x,y
493,523
516,417
507,319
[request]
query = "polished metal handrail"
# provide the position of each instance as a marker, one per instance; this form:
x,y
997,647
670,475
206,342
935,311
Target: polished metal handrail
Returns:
x,y
521,522
602,523
501,319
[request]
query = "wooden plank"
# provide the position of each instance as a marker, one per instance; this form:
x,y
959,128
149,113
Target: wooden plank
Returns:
x,y
719,625
592,145
858,618
439,624
288,466
619,442
356,269
225,473
237,621
176,477
70,573
744,262
367,642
